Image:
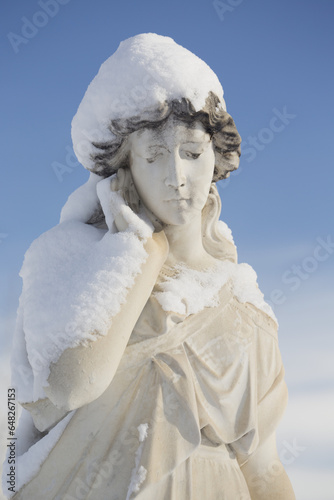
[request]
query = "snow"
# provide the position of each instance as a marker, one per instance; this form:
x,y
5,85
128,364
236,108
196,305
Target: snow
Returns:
x,y
140,478
246,289
76,277
189,291
22,374
144,72
142,429
225,231
83,202
139,472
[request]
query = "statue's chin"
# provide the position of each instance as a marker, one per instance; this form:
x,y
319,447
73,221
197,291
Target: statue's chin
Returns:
x,y
178,218
175,212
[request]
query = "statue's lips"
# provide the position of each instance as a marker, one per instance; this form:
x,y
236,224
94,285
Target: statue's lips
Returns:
x,y
177,199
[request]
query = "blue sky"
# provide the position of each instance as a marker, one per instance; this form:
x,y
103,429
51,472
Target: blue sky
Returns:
x,y
275,62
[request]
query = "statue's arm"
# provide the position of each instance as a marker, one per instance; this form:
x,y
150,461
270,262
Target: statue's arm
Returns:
x,y
265,475
83,373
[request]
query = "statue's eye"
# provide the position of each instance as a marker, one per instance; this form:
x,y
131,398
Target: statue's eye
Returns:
x,y
194,156
153,158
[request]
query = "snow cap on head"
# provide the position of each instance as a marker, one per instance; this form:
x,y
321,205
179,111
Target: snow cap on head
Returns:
x,y
144,72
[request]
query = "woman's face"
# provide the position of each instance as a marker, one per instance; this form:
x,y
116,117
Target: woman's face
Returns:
x,y
172,168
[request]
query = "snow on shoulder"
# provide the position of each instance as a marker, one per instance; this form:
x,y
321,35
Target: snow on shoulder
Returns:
x,y
188,291
146,71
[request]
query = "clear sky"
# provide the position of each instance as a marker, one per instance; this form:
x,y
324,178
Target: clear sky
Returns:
x,y
275,62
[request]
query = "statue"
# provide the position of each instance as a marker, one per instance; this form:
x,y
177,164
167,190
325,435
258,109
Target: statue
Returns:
x,y
145,357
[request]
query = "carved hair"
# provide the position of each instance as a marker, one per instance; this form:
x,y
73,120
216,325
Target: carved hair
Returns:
x,y
214,241
110,156
226,141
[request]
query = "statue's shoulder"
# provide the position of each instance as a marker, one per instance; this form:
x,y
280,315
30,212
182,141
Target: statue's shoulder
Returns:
x,y
262,320
246,298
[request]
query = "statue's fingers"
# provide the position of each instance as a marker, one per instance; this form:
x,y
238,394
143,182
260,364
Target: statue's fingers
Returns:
x,y
121,178
114,183
134,200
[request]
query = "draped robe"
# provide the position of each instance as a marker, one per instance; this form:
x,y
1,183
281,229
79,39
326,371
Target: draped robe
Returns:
x,y
193,397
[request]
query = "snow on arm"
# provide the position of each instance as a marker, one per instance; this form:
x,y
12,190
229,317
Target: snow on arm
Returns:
x,y
75,279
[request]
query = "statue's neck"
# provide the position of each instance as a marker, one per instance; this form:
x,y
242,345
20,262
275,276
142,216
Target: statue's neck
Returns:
x,y
186,245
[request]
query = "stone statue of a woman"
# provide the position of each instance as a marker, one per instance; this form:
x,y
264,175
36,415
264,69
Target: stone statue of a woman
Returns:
x,y
145,358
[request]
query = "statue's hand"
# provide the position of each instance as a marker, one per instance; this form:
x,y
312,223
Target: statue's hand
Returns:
x,y
121,205
123,183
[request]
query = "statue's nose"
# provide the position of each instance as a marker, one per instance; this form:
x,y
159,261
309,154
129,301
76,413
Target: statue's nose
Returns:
x,y
176,176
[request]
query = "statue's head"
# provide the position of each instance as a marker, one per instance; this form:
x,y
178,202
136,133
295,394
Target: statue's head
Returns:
x,y
154,96
146,80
